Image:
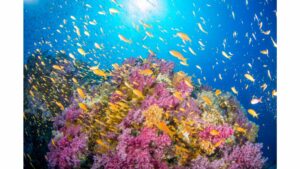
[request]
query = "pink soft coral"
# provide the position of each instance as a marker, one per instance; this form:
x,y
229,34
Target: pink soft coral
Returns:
x,y
248,155
67,150
144,151
223,132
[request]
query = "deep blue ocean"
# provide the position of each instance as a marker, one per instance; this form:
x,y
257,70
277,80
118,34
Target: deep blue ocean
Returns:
x,y
236,27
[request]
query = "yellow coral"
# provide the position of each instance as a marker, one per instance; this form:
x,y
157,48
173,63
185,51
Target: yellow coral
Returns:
x,y
153,115
181,76
212,116
207,147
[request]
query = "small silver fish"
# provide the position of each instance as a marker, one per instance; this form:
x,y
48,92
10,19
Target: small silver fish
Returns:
x,y
256,100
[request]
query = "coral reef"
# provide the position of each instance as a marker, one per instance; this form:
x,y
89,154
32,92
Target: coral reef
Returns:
x,y
145,115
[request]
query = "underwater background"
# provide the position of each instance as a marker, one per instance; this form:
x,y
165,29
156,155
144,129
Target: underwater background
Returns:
x,y
226,40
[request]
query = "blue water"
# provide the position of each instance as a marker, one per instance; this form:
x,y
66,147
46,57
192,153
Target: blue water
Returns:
x,y
42,19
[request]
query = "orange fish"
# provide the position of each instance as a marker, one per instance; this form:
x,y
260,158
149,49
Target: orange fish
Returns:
x,y
83,106
178,55
53,142
60,105
214,132
101,143
57,67
178,95
207,100
240,129
100,73
162,126
188,83
218,92
113,11
122,38
138,93
74,80
219,143
146,72
81,93
253,113
184,37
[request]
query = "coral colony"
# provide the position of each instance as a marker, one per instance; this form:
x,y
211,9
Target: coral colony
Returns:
x,y
143,115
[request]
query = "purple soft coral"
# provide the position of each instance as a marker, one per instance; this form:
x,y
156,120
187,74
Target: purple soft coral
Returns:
x,y
204,163
67,151
248,155
143,151
222,132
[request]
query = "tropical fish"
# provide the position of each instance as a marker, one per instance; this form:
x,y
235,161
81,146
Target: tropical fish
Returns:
x,y
94,22
198,67
31,93
145,25
74,80
59,105
240,129
127,85
72,17
184,37
83,106
162,126
178,95
266,32
138,93
115,66
207,100
234,90
113,11
178,55
122,38
57,67
81,93
97,46
101,143
201,28
274,92
53,142
102,13
119,92
269,75
146,72
264,86
264,52
220,76
218,92
77,31
249,77
95,67
219,143
99,72
192,51
150,35
226,55
256,100
71,56
188,83
214,132
253,113
81,51
274,43
86,33
151,52
184,63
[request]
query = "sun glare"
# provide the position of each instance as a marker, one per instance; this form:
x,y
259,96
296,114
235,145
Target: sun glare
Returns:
x,y
144,8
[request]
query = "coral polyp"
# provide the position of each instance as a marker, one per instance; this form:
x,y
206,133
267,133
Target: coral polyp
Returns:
x,y
145,115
